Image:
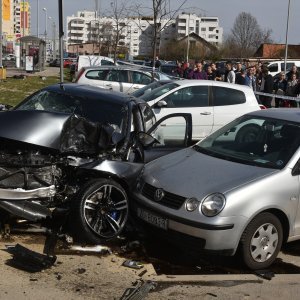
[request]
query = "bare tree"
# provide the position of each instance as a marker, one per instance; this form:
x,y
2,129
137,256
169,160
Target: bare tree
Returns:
x,y
161,15
119,14
247,35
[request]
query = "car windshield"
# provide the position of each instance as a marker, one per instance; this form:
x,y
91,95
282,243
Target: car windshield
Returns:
x,y
159,91
94,110
263,142
148,88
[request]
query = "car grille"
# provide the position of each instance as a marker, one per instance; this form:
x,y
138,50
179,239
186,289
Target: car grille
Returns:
x,y
169,199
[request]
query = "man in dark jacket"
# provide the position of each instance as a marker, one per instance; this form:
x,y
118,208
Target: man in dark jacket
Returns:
x,y
266,87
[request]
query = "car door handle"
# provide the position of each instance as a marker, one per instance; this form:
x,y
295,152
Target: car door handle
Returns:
x,y
205,113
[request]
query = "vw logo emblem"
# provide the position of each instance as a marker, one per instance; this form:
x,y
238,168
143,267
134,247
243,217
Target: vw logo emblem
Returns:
x,y
159,194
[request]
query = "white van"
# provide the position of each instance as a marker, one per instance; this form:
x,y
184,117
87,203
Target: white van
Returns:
x,y
93,60
276,67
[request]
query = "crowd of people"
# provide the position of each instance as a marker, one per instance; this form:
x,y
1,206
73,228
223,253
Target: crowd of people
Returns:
x,y
256,76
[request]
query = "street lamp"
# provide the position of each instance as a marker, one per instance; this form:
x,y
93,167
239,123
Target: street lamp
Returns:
x,y
37,18
46,17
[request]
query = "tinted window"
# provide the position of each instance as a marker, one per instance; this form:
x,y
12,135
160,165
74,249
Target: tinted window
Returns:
x,y
140,78
118,76
96,74
288,65
193,96
273,68
226,96
106,62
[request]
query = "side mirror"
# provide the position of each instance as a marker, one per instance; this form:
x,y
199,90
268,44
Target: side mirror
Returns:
x,y
146,139
161,103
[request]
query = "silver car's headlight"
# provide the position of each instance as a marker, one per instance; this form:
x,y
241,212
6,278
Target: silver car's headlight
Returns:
x,y
213,204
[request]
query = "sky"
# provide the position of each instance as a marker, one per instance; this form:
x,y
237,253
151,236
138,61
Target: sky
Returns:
x,y
270,14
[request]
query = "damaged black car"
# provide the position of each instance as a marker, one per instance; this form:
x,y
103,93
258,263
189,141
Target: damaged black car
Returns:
x,y
80,148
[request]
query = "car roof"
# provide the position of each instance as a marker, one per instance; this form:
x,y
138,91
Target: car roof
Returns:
x,y
92,92
287,114
192,82
122,67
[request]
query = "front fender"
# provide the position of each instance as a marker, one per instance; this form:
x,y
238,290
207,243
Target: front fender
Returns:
x,y
126,171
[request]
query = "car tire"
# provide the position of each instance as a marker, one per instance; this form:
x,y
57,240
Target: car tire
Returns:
x,y
247,134
100,211
261,241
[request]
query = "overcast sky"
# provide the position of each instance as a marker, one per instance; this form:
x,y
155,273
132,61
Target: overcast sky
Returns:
x,y
269,13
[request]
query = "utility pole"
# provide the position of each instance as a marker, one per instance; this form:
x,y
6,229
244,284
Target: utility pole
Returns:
x,y
61,38
286,37
37,18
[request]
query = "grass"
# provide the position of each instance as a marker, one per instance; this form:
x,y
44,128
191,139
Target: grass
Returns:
x,y
13,91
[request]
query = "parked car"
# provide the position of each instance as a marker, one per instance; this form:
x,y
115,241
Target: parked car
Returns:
x,y
170,69
9,56
54,63
211,103
78,147
276,67
68,62
126,79
236,189
92,60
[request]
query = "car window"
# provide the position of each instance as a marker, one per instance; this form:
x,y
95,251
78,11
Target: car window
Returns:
x,y
96,74
140,78
193,96
148,116
273,68
159,91
226,96
256,141
52,102
105,62
288,65
117,76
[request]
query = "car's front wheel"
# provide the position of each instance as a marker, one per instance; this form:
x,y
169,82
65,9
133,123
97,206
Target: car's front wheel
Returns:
x,y
100,211
261,241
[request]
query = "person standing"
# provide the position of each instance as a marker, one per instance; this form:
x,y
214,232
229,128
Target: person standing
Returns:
x,y
291,89
266,87
250,78
295,71
218,75
241,77
280,86
229,74
210,74
198,73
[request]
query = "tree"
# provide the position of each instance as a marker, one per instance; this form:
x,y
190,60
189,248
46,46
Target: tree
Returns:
x,y
247,35
161,15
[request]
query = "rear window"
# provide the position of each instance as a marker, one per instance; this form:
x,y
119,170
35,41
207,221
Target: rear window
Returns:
x,y
226,96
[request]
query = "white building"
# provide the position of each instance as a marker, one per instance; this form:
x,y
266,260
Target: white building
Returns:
x,y
136,33
206,27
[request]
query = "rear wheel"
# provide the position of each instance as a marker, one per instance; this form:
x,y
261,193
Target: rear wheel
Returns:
x,y
100,211
261,241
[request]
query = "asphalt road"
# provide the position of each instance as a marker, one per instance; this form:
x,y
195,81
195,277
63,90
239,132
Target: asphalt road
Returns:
x,y
176,275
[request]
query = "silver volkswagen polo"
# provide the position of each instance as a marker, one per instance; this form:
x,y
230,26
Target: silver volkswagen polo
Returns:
x,y
236,189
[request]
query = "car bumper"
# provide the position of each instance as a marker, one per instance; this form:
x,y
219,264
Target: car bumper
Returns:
x,y
216,239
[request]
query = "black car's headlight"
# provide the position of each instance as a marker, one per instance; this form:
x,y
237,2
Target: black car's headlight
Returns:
x,y
213,204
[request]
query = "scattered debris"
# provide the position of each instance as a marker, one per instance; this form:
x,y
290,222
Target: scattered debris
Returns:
x,y
266,274
132,264
81,270
98,249
139,291
142,273
28,260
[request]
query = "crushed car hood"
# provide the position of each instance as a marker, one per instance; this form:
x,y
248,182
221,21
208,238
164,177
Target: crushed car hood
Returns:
x,y
57,131
189,173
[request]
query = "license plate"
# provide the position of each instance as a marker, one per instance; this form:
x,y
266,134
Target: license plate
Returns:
x,y
152,219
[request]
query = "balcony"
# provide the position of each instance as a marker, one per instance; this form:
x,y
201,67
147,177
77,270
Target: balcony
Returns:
x,y
76,38
76,31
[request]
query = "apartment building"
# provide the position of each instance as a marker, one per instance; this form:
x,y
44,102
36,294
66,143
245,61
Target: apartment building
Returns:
x,y
206,27
15,21
135,34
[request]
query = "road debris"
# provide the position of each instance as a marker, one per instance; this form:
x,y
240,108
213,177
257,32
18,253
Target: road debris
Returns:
x,y
97,249
132,264
266,274
139,291
28,260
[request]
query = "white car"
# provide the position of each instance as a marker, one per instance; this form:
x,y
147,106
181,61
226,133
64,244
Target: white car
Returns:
x,y
211,103
126,79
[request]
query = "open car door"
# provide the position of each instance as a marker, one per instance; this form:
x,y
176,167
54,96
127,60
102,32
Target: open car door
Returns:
x,y
173,132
